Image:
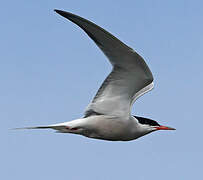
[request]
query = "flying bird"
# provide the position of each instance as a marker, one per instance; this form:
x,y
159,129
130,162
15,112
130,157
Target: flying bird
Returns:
x,y
108,116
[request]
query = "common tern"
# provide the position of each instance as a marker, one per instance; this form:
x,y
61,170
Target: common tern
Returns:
x,y
108,116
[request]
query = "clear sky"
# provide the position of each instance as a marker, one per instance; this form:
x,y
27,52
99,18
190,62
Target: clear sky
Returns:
x,y
50,70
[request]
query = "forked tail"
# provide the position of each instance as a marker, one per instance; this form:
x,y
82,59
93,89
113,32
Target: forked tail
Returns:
x,y
55,127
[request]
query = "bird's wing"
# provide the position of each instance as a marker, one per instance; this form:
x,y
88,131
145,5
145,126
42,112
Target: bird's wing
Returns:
x,y
130,76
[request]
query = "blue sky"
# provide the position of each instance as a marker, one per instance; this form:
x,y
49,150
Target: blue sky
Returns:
x,y
50,70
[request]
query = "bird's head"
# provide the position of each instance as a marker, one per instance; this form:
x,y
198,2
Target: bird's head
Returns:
x,y
150,125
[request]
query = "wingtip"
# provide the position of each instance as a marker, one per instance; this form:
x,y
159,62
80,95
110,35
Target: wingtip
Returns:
x,y
65,13
59,11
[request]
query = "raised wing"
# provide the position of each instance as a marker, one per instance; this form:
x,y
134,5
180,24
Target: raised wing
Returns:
x,y
130,76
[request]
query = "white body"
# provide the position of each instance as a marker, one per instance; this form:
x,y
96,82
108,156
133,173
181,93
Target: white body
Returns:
x,y
104,127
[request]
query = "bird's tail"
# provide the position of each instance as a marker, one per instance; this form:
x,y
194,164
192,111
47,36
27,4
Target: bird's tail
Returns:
x,y
34,127
58,127
65,127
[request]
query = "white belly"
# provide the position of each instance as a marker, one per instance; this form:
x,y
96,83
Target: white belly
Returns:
x,y
108,128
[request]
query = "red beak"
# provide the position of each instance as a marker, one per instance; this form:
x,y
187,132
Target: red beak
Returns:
x,y
164,128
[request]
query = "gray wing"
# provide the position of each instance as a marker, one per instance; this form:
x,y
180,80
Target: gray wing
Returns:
x,y
130,76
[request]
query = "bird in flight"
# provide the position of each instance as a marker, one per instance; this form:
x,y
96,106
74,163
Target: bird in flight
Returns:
x,y
108,116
